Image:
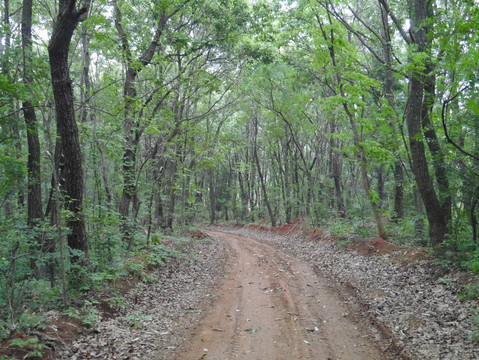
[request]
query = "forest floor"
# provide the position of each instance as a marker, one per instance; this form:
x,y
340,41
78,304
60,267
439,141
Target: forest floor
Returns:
x,y
284,293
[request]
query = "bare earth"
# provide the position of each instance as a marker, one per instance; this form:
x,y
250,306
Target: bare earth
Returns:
x,y
273,306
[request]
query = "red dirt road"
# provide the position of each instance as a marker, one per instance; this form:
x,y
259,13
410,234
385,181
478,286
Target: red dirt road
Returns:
x,y
271,306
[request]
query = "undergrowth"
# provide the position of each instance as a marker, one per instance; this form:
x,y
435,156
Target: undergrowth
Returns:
x,y
23,297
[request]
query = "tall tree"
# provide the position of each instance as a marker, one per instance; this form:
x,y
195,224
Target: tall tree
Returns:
x,y
34,192
421,29
70,14
132,129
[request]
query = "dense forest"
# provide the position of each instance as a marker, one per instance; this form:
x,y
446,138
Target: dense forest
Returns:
x,y
121,121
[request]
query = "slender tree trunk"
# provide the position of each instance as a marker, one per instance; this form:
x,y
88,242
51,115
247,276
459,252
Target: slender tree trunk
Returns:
x,y
336,166
131,129
364,176
243,195
474,218
5,64
437,223
34,196
104,162
398,190
287,183
67,20
261,178
5,49
389,92
212,194
85,84
419,222
381,181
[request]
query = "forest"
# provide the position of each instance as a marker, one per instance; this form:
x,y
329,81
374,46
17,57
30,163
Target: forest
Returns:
x,y
122,122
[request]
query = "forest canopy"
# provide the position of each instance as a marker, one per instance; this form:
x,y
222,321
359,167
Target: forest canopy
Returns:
x,y
122,120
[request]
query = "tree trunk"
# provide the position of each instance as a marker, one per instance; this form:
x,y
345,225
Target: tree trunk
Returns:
x,y
433,143
435,216
261,178
357,143
67,20
398,190
287,183
364,176
34,193
212,193
243,195
389,93
85,85
419,222
336,172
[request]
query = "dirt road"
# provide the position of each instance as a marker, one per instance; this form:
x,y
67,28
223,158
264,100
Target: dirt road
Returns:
x,y
272,306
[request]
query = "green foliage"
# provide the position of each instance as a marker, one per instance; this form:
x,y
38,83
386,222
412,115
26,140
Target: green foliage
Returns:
x,y
158,255
118,302
228,79
88,316
340,228
32,345
475,319
137,320
4,331
403,230
344,243
98,279
470,292
28,321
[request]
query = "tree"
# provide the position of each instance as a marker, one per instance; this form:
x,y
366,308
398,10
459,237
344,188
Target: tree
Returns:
x,y
70,14
421,29
34,191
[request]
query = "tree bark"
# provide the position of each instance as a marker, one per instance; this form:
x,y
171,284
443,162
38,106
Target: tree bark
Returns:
x,y
69,16
212,195
433,142
336,166
435,215
34,193
287,183
389,93
398,190
261,177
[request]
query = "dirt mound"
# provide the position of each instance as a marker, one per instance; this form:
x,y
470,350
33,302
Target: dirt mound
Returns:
x,y
412,254
316,234
376,246
298,220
